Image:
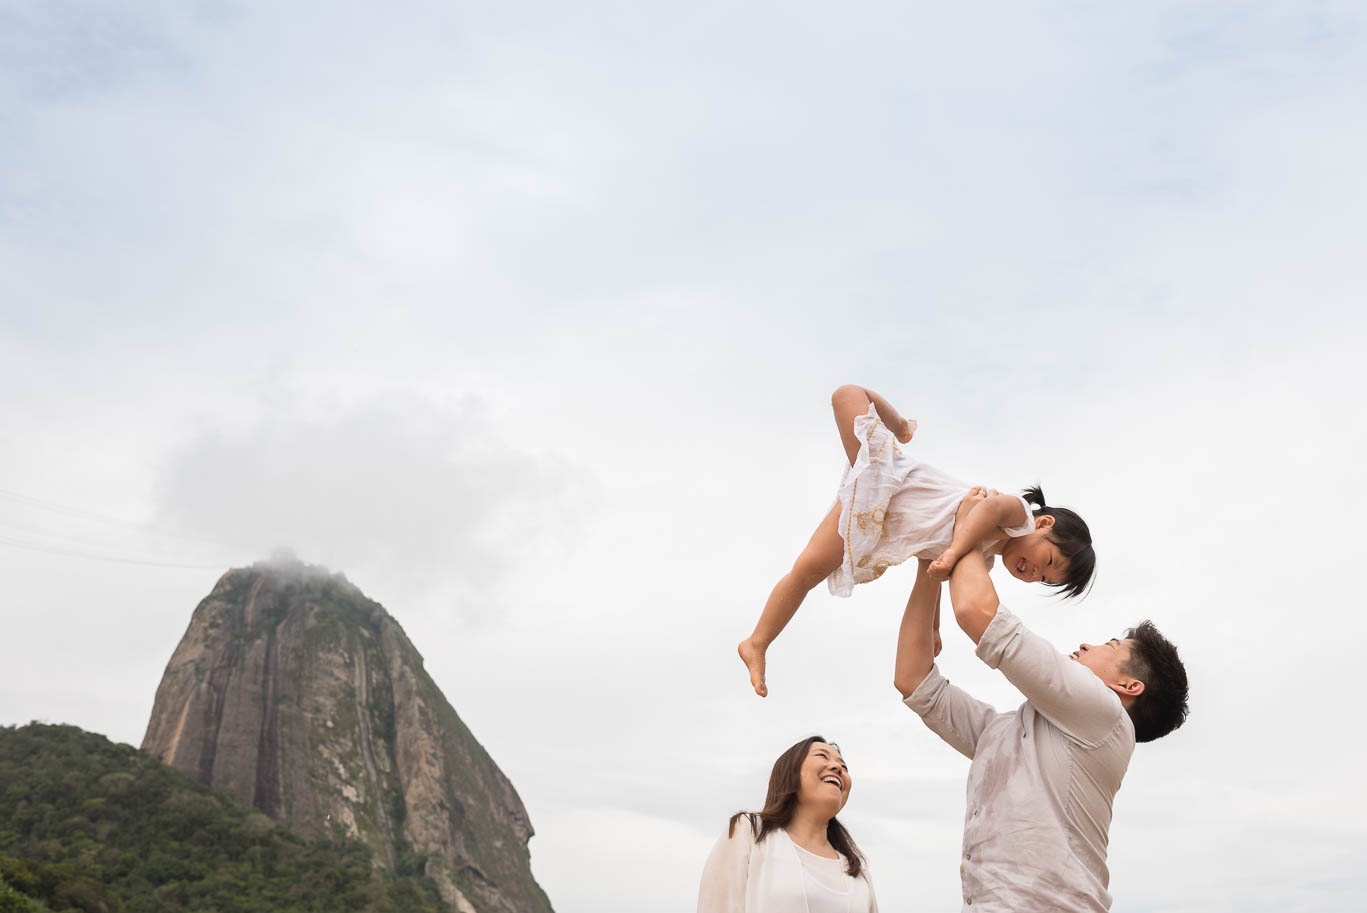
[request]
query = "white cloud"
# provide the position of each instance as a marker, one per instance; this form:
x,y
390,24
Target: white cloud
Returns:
x,y
395,487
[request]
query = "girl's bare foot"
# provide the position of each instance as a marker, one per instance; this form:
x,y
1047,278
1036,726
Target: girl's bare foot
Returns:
x,y
753,655
904,433
940,568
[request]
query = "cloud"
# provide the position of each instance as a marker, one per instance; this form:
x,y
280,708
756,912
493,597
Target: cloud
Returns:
x,y
431,494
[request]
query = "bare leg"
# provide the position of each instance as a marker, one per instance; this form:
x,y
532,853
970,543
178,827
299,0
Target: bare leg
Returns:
x,y
851,401
822,555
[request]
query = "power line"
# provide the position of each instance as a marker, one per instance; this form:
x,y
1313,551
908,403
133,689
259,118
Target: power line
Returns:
x,y
64,508
30,534
92,556
82,514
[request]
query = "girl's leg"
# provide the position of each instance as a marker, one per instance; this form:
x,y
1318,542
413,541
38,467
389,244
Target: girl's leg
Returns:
x,y
851,401
822,555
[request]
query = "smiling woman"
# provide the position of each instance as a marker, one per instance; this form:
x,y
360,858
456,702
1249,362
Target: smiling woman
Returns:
x,y
793,856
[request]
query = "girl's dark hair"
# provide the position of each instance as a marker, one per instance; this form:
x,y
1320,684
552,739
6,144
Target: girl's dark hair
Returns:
x,y
1074,541
781,804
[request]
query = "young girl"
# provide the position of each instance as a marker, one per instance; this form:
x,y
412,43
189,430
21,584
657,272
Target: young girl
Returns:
x,y
891,508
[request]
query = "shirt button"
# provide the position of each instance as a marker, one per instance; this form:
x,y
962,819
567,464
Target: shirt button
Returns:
x,y
968,856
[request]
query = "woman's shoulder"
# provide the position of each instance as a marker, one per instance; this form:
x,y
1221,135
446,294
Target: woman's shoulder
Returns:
x,y
743,826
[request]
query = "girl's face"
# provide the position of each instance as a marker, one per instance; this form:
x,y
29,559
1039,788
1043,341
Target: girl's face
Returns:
x,y
1033,558
824,779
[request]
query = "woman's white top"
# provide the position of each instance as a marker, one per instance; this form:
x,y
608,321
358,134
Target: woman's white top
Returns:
x,y
778,876
824,882
893,508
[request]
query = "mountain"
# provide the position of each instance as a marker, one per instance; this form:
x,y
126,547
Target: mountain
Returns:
x,y
90,825
294,693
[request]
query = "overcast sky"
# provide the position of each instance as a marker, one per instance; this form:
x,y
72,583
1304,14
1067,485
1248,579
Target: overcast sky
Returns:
x,y
525,316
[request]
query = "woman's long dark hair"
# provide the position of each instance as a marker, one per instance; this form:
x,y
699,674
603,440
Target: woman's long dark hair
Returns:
x,y
781,804
1074,541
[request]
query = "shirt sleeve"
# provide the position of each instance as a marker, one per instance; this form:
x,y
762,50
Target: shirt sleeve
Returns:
x,y
726,871
1025,528
1065,692
951,713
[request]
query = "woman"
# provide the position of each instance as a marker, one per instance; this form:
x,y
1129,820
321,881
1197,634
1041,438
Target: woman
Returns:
x,y
792,857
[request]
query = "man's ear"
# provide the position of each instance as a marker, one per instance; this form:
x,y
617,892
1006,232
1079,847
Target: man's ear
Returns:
x,y
1128,688
1044,522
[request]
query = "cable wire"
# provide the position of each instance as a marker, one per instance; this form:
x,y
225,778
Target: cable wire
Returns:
x,y
92,556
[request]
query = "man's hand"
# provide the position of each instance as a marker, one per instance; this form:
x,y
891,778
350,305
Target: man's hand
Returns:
x,y
976,495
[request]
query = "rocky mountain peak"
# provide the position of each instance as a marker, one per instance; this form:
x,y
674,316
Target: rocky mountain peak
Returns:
x,y
295,693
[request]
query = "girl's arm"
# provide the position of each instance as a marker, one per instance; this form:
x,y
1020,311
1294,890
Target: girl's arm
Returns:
x,y
987,518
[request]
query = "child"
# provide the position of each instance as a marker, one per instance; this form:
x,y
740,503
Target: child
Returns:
x,y
891,508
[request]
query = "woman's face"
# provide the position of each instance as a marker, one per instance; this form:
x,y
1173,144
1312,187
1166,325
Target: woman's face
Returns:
x,y
824,780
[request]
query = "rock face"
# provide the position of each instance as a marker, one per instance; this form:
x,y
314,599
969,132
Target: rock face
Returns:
x,y
294,693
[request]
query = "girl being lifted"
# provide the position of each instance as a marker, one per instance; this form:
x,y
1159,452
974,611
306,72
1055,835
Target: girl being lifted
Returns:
x,y
891,508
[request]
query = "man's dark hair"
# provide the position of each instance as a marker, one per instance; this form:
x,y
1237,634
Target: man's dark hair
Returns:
x,y
1162,706
1074,541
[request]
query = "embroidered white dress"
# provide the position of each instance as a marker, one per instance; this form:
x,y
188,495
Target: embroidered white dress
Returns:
x,y
893,508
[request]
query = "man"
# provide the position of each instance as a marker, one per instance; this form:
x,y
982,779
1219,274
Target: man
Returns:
x,y
1043,776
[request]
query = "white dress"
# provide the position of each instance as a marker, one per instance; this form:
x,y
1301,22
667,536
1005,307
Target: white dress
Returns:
x,y
893,508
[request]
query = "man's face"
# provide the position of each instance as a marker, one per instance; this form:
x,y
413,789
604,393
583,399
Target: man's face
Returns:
x,y
1107,660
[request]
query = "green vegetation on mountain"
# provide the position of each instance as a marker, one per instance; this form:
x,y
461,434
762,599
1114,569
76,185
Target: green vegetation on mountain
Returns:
x,y
90,825
11,901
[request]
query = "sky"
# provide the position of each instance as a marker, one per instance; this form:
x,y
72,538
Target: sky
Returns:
x,y
526,318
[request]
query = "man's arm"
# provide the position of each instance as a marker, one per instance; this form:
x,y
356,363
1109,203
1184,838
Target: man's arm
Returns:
x,y
1068,694
973,595
915,640
949,712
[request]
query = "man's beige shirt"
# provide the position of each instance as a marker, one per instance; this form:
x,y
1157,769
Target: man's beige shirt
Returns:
x,y
1042,779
